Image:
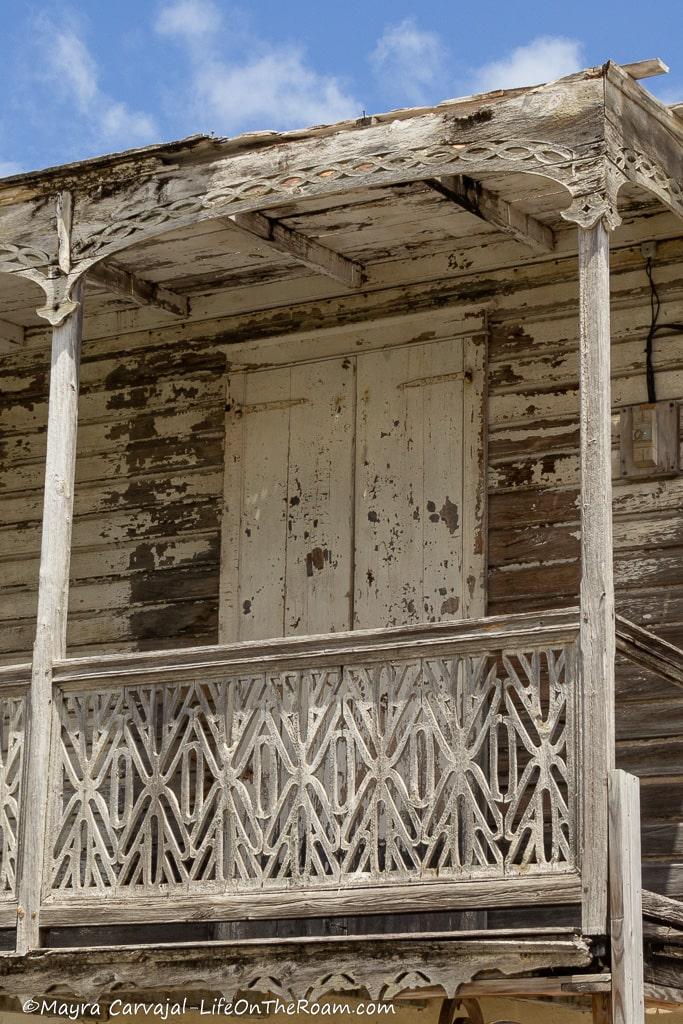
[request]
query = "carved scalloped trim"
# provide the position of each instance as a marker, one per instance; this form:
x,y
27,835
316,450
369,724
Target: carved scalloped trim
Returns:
x,y
18,258
642,169
378,969
135,222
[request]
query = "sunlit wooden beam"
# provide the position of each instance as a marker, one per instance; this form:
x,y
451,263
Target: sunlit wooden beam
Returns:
x,y
114,278
314,255
471,196
646,68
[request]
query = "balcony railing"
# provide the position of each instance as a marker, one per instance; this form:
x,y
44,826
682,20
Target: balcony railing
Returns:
x,y
425,767
377,770
14,683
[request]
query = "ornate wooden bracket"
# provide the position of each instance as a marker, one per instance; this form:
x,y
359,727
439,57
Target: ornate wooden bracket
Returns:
x,y
595,200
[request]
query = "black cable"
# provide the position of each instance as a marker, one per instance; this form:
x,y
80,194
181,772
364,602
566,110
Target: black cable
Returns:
x,y
655,306
655,327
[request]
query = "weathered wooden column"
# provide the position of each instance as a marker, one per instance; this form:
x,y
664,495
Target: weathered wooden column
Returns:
x,y
53,588
597,584
626,899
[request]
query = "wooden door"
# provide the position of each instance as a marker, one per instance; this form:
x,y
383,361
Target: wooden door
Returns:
x,y
354,492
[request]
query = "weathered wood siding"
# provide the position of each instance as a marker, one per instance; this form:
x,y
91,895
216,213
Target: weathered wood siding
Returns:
x,y
534,528
149,476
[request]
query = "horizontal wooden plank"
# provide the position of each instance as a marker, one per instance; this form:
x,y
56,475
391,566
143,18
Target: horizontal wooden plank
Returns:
x,y
659,756
183,518
661,797
649,650
642,719
659,908
664,878
645,68
8,914
526,890
471,635
122,494
120,562
663,841
146,627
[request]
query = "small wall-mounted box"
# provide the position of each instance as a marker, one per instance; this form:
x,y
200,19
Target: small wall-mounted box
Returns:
x,y
649,439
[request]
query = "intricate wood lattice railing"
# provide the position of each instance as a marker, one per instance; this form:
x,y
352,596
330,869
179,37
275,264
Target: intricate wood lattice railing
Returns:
x,y
14,682
425,767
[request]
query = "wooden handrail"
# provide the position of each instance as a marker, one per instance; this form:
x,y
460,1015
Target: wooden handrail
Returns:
x,y
14,677
314,651
650,651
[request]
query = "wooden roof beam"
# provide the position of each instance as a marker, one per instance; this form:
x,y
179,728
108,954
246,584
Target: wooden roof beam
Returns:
x,y
115,278
11,336
469,195
646,68
306,250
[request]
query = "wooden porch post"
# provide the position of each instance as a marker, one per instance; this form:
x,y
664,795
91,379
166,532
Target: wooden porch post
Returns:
x,y
597,585
626,899
53,587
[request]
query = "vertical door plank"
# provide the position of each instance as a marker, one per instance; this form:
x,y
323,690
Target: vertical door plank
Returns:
x,y
409,485
264,504
475,494
442,478
229,610
319,569
389,506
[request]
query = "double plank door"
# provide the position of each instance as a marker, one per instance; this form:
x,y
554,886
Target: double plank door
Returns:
x,y
354,492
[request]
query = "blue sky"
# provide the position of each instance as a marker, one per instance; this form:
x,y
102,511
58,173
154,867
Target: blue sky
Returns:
x,y
80,79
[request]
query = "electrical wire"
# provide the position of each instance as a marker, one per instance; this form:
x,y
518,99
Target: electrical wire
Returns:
x,y
655,326
655,306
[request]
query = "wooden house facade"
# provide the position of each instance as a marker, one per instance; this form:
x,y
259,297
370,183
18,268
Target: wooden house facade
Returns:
x,y
341,549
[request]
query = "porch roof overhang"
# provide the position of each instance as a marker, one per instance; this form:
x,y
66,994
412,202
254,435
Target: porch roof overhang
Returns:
x,y
157,227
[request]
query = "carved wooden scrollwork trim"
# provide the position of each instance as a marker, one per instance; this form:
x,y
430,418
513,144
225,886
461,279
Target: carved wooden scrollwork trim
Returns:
x,y
361,774
645,170
51,273
142,218
374,968
598,202
11,763
249,182
587,210
20,258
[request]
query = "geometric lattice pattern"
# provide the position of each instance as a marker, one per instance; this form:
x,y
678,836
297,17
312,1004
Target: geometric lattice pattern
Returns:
x,y
11,757
449,767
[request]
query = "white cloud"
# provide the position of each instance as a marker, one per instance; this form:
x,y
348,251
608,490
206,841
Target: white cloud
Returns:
x,y
409,61
71,70
542,60
189,18
275,87
75,69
